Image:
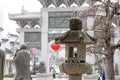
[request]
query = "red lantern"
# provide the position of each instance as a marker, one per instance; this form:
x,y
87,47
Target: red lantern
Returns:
x,y
55,46
33,50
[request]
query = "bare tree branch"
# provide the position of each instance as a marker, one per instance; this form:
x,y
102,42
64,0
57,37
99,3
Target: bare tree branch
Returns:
x,y
116,46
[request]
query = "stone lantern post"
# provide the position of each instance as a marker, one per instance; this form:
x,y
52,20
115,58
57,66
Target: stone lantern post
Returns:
x,y
75,41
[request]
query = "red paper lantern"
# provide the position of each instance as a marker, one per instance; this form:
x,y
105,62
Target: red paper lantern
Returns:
x,y
33,50
55,46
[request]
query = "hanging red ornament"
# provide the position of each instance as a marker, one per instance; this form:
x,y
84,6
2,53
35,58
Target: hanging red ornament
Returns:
x,y
55,46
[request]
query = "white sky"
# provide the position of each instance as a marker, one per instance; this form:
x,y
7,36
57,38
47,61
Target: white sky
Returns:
x,y
15,6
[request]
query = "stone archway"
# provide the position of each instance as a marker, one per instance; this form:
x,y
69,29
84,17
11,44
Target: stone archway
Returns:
x,y
49,20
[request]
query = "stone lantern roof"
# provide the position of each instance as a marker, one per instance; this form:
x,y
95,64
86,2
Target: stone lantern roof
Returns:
x,y
57,3
75,34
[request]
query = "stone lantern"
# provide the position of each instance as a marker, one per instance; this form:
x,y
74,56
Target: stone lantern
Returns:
x,y
75,41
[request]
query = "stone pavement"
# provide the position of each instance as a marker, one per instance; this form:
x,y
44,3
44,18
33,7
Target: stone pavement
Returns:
x,y
61,79
41,79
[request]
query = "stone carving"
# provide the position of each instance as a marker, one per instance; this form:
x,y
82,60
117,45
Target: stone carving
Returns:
x,y
22,23
79,2
22,64
59,19
42,68
2,62
30,23
75,41
57,3
32,39
39,68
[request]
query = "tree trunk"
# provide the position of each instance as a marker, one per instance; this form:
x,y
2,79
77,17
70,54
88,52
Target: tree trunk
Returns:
x,y
109,62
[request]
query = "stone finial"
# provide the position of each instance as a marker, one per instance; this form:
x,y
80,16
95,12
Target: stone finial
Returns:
x,y
23,11
75,24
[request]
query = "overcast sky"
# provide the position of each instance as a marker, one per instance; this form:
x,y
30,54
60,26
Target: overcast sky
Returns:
x,y
15,6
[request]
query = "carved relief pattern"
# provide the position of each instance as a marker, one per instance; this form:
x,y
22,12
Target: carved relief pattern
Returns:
x,y
32,36
59,19
22,23
57,3
79,2
65,2
33,39
70,2
45,3
91,1
30,23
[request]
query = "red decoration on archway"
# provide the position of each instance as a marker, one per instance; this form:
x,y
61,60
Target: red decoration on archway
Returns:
x,y
55,46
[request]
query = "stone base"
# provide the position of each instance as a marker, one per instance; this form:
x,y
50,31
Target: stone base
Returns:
x,y
74,68
44,76
75,77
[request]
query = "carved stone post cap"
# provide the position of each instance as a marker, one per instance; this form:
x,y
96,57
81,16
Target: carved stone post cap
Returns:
x,y
75,24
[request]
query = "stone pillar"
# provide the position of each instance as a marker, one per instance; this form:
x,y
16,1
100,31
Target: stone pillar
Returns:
x,y
44,41
21,36
44,47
